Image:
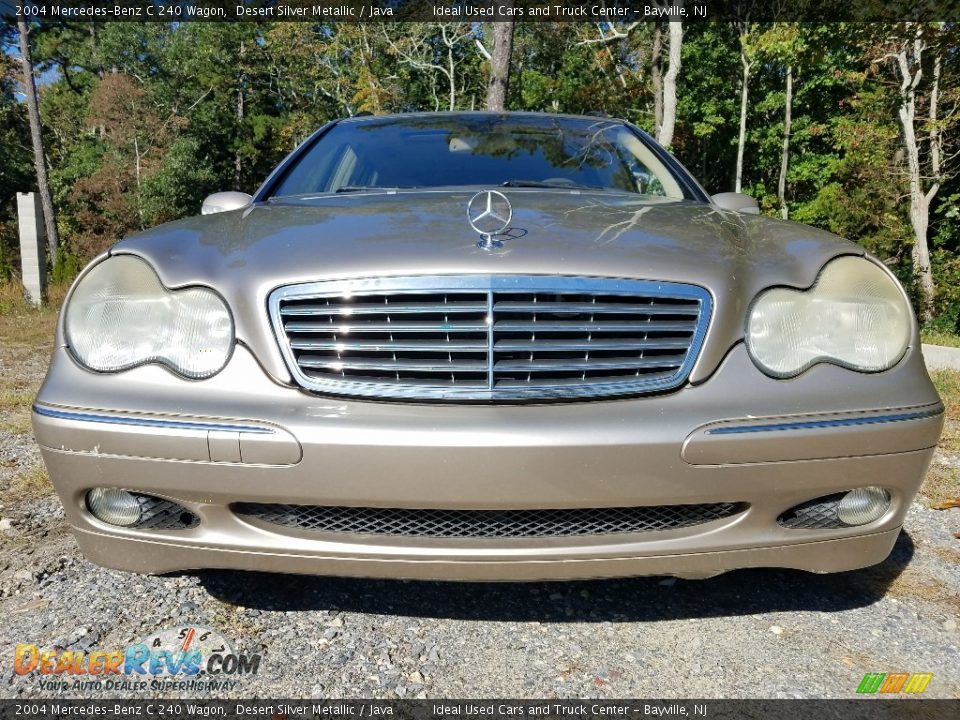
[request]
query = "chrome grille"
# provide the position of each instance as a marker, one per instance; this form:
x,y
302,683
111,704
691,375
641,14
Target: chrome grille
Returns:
x,y
407,522
499,337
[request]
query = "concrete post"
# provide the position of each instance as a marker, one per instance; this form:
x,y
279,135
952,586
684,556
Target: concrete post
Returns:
x,y
33,246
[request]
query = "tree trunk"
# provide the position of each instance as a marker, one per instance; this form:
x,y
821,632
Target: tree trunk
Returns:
x,y
665,134
785,157
451,72
935,136
39,155
919,212
744,91
95,50
911,72
500,62
656,77
137,172
237,156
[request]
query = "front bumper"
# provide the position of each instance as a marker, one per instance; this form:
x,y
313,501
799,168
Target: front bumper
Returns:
x,y
240,437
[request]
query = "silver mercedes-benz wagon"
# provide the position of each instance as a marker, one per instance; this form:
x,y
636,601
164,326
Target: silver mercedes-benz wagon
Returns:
x,y
486,347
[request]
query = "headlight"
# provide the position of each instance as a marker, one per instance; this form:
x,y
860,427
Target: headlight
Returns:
x,y
120,315
855,315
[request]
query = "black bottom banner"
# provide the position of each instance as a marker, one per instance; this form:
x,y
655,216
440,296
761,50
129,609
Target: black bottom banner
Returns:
x,y
854,709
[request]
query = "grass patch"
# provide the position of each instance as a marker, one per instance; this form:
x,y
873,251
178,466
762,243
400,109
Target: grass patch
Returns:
x,y
22,324
13,300
29,485
26,339
939,337
16,419
232,620
943,479
941,483
947,383
15,400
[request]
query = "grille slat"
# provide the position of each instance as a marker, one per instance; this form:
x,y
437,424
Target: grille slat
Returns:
x,y
487,524
388,345
386,309
559,387
605,364
415,381
342,328
547,345
389,364
490,337
561,308
598,326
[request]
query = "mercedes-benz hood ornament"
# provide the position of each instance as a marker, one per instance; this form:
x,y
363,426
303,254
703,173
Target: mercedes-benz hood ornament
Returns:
x,y
489,213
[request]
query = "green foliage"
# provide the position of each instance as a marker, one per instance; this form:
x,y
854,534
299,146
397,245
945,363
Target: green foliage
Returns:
x,y
947,230
177,188
947,300
66,268
16,168
709,104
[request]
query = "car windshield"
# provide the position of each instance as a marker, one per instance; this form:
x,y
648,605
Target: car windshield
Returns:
x,y
458,150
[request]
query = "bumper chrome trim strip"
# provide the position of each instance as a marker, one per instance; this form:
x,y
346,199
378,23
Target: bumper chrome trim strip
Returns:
x,y
820,424
147,422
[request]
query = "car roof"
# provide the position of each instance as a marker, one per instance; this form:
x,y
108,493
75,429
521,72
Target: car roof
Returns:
x,y
476,114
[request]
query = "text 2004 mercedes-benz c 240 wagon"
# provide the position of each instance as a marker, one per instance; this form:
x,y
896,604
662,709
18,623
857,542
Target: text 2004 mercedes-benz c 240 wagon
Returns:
x,y
486,347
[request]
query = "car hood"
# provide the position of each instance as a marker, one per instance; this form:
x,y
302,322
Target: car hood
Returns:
x,y
247,253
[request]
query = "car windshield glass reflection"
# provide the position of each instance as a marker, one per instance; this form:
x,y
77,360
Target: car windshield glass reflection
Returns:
x,y
415,152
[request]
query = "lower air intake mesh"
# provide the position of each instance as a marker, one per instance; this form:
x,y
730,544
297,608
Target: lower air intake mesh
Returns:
x,y
406,522
819,514
159,514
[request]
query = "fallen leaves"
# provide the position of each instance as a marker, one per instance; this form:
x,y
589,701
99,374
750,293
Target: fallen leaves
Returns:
x,y
947,504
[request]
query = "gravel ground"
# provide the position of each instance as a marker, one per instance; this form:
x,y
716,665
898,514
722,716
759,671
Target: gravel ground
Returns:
x,y
750,633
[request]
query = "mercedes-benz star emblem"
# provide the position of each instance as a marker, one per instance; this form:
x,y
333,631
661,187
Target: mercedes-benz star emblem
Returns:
x,y
489,213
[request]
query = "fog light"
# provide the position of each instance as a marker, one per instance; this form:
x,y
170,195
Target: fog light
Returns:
x,y
863,505
113,506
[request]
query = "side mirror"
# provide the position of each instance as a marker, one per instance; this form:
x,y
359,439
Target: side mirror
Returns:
x,y
223,201
738,202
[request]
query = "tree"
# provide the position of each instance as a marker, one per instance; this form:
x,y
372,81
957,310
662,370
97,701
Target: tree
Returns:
x,y
140,121
220,84
745,32
500,61
669,118
664,84
110,202
915,53
708,104
16,170
36,136
438,49
785,44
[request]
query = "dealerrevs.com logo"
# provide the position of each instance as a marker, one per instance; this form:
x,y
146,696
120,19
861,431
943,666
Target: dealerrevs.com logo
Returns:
x,y
892,683
189,658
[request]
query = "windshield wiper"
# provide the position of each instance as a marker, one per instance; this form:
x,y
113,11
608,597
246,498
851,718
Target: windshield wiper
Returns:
x,y
546,184
365,188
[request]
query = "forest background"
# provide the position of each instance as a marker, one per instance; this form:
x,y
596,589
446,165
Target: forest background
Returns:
x,y
850,127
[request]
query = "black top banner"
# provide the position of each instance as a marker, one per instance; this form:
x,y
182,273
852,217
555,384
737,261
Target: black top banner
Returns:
x,y
594,11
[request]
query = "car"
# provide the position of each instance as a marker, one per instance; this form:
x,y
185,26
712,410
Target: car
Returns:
x,y
486,346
